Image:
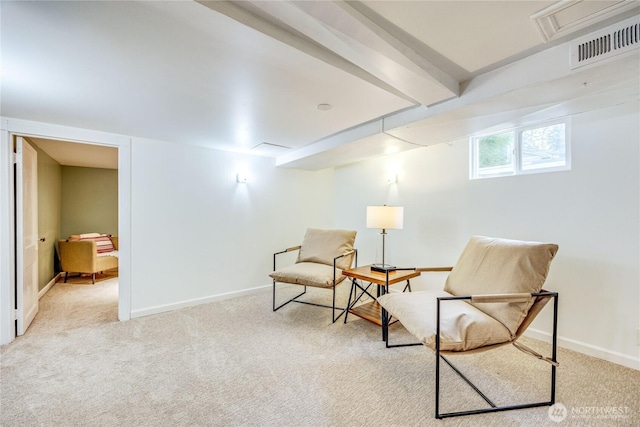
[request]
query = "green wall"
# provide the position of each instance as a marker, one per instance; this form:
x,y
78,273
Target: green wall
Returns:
x,y
49,196
89,201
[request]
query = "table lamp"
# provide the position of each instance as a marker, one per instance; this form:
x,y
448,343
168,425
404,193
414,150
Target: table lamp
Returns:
x,y
386,218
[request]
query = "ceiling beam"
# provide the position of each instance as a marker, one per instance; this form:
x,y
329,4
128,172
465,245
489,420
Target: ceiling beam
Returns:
x,y
358,38
247,14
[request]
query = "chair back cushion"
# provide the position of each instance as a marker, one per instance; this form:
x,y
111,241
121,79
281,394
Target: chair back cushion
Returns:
x,y
322,246
496,266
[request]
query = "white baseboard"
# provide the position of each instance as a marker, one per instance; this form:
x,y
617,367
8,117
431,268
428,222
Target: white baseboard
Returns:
x,y
197,301
588,349
49,285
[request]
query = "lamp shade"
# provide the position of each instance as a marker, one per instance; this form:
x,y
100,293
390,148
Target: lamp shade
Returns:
x,y
387,217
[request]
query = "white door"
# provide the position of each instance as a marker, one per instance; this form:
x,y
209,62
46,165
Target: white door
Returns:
x,y
26,234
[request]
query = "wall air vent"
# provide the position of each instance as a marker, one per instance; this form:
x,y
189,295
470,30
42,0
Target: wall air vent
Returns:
x,y
615,40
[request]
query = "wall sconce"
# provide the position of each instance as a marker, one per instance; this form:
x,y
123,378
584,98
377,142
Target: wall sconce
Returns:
x,y
242,178
392,178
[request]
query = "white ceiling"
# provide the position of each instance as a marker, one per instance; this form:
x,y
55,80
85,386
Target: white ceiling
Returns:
x,y
234,75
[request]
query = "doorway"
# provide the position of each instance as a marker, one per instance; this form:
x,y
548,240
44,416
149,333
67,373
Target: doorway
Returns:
x,y
8,236
77,194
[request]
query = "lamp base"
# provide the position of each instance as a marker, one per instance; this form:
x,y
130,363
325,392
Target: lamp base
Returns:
x,y
383,268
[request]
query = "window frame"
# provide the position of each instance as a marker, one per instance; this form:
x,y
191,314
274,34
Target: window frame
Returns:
x,y
474,157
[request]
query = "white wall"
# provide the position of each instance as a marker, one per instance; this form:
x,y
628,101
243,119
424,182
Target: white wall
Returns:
x,y
592,212
198,234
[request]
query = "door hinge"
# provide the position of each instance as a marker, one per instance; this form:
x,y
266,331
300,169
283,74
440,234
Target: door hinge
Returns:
x,y
15,315
14,158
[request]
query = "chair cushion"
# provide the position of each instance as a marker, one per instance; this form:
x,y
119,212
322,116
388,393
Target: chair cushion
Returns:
x,y
462,326
322,246
495,266
308,274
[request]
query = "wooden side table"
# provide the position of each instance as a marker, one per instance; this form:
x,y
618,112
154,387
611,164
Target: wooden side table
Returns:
x,y
372,311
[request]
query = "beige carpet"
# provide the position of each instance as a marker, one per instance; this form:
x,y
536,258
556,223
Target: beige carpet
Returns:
x,y
236,363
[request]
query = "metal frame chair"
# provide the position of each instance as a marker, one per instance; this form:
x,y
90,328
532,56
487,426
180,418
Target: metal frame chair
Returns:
x,y
418,324
336,281
295,299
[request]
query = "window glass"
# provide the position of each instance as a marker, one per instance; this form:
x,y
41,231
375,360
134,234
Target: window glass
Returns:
x,y
495,154
543,147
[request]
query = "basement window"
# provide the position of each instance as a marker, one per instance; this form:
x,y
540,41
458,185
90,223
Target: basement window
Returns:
x,y
544,147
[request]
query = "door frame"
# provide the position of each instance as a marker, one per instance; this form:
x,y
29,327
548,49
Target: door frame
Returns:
x,y
10,127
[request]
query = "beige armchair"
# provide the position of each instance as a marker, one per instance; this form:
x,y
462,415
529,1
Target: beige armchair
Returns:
x,y
491,296
81,256
322,257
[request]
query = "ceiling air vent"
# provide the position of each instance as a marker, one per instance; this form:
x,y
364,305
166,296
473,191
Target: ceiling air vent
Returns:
x,y
612,41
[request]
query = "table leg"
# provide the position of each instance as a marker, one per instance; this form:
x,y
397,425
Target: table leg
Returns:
x,y
353,285
354,297
385,327
384,314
